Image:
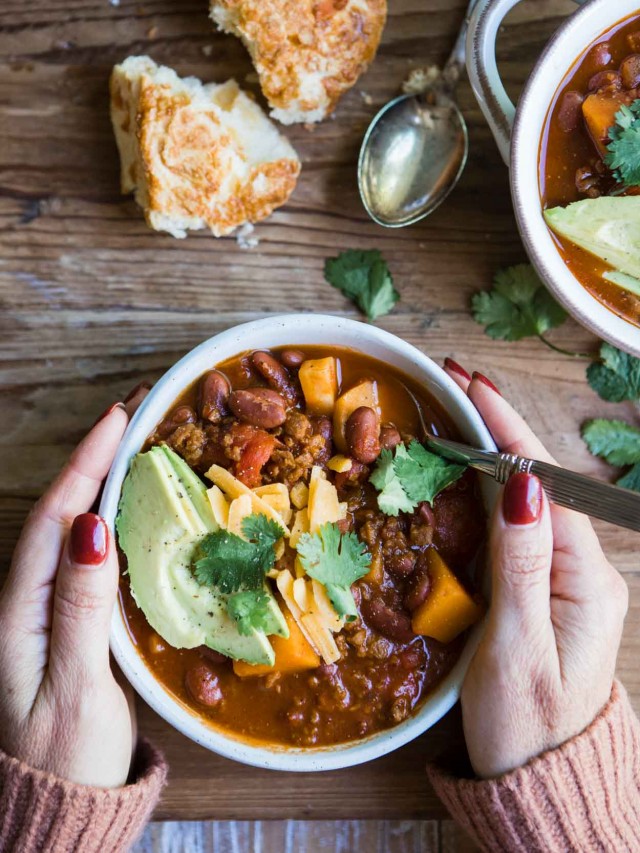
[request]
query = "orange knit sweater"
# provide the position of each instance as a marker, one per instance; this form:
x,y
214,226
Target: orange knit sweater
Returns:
x,y
582,797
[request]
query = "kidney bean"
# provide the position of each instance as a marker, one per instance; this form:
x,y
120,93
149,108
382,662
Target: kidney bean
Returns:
x,y
275,373
630,71
600,55
609,81
426,514
292,358
389,436
570,111
213,395
178,417
362,432
393,624
259,407
418,588
203,685
412,658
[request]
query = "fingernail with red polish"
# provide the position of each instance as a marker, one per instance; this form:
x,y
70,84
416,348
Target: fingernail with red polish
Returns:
x,y
522,499
108,411
88,540
456,368
139,387
482,378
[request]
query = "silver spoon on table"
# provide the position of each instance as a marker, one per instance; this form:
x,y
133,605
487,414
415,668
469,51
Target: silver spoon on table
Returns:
x,y
416,147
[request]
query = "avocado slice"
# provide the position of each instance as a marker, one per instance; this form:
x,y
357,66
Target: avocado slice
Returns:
x,y
164,512
608,227
621,279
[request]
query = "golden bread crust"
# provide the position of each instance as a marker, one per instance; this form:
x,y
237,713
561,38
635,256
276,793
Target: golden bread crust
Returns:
x,y
197,156
308,52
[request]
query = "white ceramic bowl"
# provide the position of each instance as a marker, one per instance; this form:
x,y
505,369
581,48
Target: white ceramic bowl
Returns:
x,y
518,133
290,330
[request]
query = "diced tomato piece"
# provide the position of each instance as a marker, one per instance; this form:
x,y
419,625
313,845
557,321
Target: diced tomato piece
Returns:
x,y
255,455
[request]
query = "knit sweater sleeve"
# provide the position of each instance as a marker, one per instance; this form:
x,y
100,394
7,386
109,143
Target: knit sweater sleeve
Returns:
x,y
40,813
582,796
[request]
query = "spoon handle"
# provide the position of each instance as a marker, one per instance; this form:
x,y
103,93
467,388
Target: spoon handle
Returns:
x,y
456,61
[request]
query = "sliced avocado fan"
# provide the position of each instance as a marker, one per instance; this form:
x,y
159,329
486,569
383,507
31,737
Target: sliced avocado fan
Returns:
x,y
608,227
163,514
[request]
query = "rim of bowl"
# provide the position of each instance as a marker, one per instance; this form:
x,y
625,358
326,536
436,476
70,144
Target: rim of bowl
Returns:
x,y
283,330
583,27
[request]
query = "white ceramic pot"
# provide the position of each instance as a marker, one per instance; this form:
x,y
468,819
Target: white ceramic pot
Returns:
x,y
518,133
295,329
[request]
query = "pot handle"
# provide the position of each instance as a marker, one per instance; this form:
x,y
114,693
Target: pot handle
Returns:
x,y
496,105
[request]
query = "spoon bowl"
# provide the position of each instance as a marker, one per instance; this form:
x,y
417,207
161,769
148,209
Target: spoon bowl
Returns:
x,y
416,148
412,156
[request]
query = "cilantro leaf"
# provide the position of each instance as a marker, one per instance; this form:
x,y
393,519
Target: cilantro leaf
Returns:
x,y
623,150
518,305
250,611
229,562
616,377
261,530
336,560
333,558
413,476
424,475
392,498
615,441
364,277
631,480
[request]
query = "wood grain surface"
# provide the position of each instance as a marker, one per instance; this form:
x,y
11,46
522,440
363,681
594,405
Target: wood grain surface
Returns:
x,y
295,836
93,301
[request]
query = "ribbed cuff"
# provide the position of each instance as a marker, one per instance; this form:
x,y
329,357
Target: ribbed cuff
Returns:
x,y
582,796
39,812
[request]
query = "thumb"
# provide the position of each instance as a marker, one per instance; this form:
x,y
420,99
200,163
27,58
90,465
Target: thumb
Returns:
x,y
521,549
85,594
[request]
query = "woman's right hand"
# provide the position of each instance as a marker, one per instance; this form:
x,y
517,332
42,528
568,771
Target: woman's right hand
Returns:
x,y
545,666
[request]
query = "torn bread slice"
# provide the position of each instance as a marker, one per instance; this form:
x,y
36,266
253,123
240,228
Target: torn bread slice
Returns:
x,y
307,53
196,156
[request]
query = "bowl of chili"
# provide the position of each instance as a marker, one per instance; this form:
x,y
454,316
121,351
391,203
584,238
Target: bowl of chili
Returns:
x,y
372,682
565,172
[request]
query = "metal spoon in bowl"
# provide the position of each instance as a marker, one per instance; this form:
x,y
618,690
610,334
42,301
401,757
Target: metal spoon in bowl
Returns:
x,y
415,149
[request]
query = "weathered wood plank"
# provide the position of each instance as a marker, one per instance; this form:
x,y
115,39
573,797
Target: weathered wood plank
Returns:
x,y
300,837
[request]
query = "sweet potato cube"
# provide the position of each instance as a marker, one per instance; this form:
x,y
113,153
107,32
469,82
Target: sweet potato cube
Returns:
x,y
449,610
319,380
365,393
599,114
293,654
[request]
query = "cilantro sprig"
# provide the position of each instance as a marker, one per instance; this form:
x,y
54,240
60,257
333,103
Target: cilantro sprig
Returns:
x,y
623,150
364,277
616,377
230,562
411,476
335,560
517,306
250,611
618,443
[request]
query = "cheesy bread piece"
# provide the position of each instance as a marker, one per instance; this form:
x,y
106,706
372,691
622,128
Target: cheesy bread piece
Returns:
x,y
196,156
307,53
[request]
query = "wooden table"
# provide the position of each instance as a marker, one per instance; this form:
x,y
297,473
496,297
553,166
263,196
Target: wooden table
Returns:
x,y
93,301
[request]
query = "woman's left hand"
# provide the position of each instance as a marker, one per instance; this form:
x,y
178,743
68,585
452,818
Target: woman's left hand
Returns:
x,y
61,709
